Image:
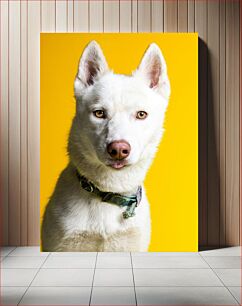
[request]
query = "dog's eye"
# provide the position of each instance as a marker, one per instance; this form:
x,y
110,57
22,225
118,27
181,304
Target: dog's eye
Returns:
x,y
141,115
99,113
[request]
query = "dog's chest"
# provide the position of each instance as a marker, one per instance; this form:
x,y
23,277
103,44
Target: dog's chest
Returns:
x,y
91,225
121,241
91,215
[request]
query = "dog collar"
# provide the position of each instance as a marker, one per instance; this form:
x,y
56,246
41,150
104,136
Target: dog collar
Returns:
x,y
115,198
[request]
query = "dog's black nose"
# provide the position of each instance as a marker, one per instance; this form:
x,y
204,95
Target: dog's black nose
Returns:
x,y
119,149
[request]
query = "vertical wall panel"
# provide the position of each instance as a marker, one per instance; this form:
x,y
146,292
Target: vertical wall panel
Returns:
x,y
70,16
213,123
4,122
144,16
232,121
23,126
157,20
48,16
240,127
96,16
81,16
201,28
222,130
134,16
61,16
170,15
182,15
111,16
33,121
14,121
191,15
125,16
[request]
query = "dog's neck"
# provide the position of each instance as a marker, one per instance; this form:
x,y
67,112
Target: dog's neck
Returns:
x,y
114,198
124,181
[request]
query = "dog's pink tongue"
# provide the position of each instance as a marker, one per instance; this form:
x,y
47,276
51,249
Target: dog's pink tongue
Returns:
x,y
118,165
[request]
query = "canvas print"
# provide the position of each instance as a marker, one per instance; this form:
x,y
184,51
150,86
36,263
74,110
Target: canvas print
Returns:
x,y
98,200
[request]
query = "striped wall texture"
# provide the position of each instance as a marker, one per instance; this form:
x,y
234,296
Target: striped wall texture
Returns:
x,y
217,23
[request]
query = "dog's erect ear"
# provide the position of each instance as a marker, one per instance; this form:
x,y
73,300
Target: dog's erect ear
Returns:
x,y
92,65
153,70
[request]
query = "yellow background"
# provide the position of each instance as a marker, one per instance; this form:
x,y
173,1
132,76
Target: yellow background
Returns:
x,y
172,181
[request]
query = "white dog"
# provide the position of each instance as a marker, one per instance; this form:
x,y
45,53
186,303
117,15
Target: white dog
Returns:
x,y
99,203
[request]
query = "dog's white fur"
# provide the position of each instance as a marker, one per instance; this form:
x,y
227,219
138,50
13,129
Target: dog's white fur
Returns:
x,y
76,220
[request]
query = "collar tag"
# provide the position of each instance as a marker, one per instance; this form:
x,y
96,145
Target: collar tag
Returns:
x,y
129,212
